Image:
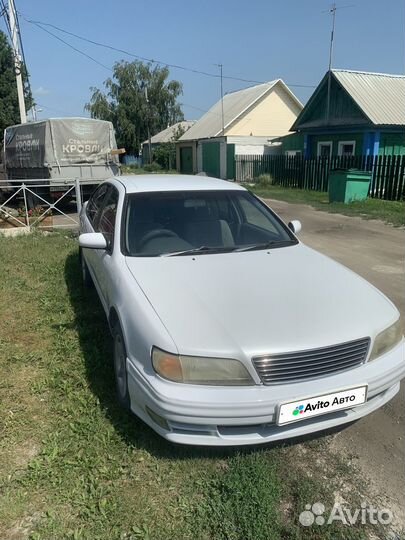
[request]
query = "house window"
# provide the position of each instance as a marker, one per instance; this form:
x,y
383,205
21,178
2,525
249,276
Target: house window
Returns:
x,y
346,148
325,149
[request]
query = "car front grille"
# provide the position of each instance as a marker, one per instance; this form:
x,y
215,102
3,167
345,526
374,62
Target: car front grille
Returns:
x,y
311,363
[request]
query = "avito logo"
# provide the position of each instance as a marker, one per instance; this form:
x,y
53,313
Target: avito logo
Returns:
x,y
299,409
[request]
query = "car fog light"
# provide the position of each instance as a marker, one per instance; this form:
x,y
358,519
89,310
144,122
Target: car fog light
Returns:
x,y
159,420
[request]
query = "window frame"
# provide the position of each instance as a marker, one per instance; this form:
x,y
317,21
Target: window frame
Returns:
x,y
342,143
324,143
96,216
111,190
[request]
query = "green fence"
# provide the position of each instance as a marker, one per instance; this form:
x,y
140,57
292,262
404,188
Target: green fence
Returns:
x,y
387,182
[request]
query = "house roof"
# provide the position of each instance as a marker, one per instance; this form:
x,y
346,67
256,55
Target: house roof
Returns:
x,y
236,104
379,95
167,134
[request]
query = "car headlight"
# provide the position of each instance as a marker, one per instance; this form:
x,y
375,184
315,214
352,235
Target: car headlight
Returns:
x,y
387,339
198,370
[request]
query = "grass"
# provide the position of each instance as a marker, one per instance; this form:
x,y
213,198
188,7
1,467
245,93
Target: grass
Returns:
x,y
74,465
392,212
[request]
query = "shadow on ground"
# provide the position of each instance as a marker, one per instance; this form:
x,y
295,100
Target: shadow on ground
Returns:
x,y
96,346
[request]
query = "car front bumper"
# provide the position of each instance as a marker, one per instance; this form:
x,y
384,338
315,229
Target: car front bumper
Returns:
x,y
228,416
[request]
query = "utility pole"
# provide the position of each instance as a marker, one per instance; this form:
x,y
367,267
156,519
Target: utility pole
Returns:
x,y
149,136
17,60
222,98
333,11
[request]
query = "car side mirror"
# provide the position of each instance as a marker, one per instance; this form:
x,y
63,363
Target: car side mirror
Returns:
x,y
92,241
295,226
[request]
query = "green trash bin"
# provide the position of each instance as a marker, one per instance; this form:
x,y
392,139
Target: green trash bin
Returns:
x,y
347,185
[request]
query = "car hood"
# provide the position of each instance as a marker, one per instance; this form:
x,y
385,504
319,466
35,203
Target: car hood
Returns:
x,y
259,302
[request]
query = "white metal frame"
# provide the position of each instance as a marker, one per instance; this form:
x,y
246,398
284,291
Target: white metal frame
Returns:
x,y
340,147
324,143
24,187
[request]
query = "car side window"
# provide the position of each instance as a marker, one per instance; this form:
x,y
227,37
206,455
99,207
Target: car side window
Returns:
x,y
106,221
95,203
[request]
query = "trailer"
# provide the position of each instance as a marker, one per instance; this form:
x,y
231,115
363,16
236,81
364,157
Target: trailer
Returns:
x,y
59,150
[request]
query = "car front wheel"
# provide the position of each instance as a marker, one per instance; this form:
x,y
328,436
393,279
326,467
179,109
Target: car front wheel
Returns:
x,y
86,277
120,368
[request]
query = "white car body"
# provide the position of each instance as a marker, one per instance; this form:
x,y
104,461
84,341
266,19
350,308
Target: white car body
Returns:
x,y
239,305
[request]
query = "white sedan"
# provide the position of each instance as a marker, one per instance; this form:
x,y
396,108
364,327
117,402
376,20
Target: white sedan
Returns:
x,y
227,329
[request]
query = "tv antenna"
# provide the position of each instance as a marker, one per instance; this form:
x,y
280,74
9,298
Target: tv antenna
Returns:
x,y
331,10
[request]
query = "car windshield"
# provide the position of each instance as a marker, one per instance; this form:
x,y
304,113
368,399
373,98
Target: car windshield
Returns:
x,y
203,222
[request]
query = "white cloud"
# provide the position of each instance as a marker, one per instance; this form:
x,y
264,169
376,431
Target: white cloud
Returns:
x,y
41,91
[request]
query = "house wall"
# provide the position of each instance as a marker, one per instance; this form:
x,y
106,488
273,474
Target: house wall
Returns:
x,y
272,117
343,111
392,144
336,138
293,142
389,143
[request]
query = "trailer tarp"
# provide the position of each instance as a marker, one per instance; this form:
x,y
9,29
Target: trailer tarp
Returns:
x,y
59,142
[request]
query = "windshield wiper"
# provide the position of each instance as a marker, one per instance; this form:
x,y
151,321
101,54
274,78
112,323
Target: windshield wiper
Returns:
x,y
267,245
199,250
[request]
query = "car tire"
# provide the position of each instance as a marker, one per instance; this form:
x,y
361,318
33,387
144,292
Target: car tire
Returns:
x,y
86,277
120,368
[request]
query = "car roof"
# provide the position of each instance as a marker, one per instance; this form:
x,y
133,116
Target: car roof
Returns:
x,y
173,182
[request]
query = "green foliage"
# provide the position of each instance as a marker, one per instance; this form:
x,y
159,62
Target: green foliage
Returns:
x,y
242,503
264,180
152,167
165,153
139,100
9,110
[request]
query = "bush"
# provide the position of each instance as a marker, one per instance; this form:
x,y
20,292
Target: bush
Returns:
x,y
129,168
152,167
264,180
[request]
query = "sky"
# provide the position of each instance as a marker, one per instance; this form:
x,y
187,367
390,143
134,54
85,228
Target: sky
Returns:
x,y
259,40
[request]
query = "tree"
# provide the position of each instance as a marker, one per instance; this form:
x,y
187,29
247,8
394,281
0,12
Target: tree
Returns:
x,y
9,110
165,153
139,100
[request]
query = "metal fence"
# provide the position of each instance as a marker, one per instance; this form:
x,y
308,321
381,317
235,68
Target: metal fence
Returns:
x,y
39,204
387,172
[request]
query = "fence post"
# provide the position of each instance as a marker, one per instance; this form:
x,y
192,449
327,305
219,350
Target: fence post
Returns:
x,y
27,219
78,196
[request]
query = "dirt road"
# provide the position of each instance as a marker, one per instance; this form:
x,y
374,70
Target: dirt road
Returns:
x,y
376,251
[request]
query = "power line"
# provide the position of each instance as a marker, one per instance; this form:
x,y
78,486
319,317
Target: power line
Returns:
x,y
41,24
4,13
69,45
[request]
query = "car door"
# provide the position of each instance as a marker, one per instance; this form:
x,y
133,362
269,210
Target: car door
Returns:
x,y
89,221
105,224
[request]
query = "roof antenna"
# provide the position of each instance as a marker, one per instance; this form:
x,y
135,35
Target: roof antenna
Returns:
x,y
220,66
332,10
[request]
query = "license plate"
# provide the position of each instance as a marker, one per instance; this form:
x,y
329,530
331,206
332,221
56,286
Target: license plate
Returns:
x,y
315,406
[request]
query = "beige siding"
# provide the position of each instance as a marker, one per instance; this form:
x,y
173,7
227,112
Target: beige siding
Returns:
x,y
272,117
